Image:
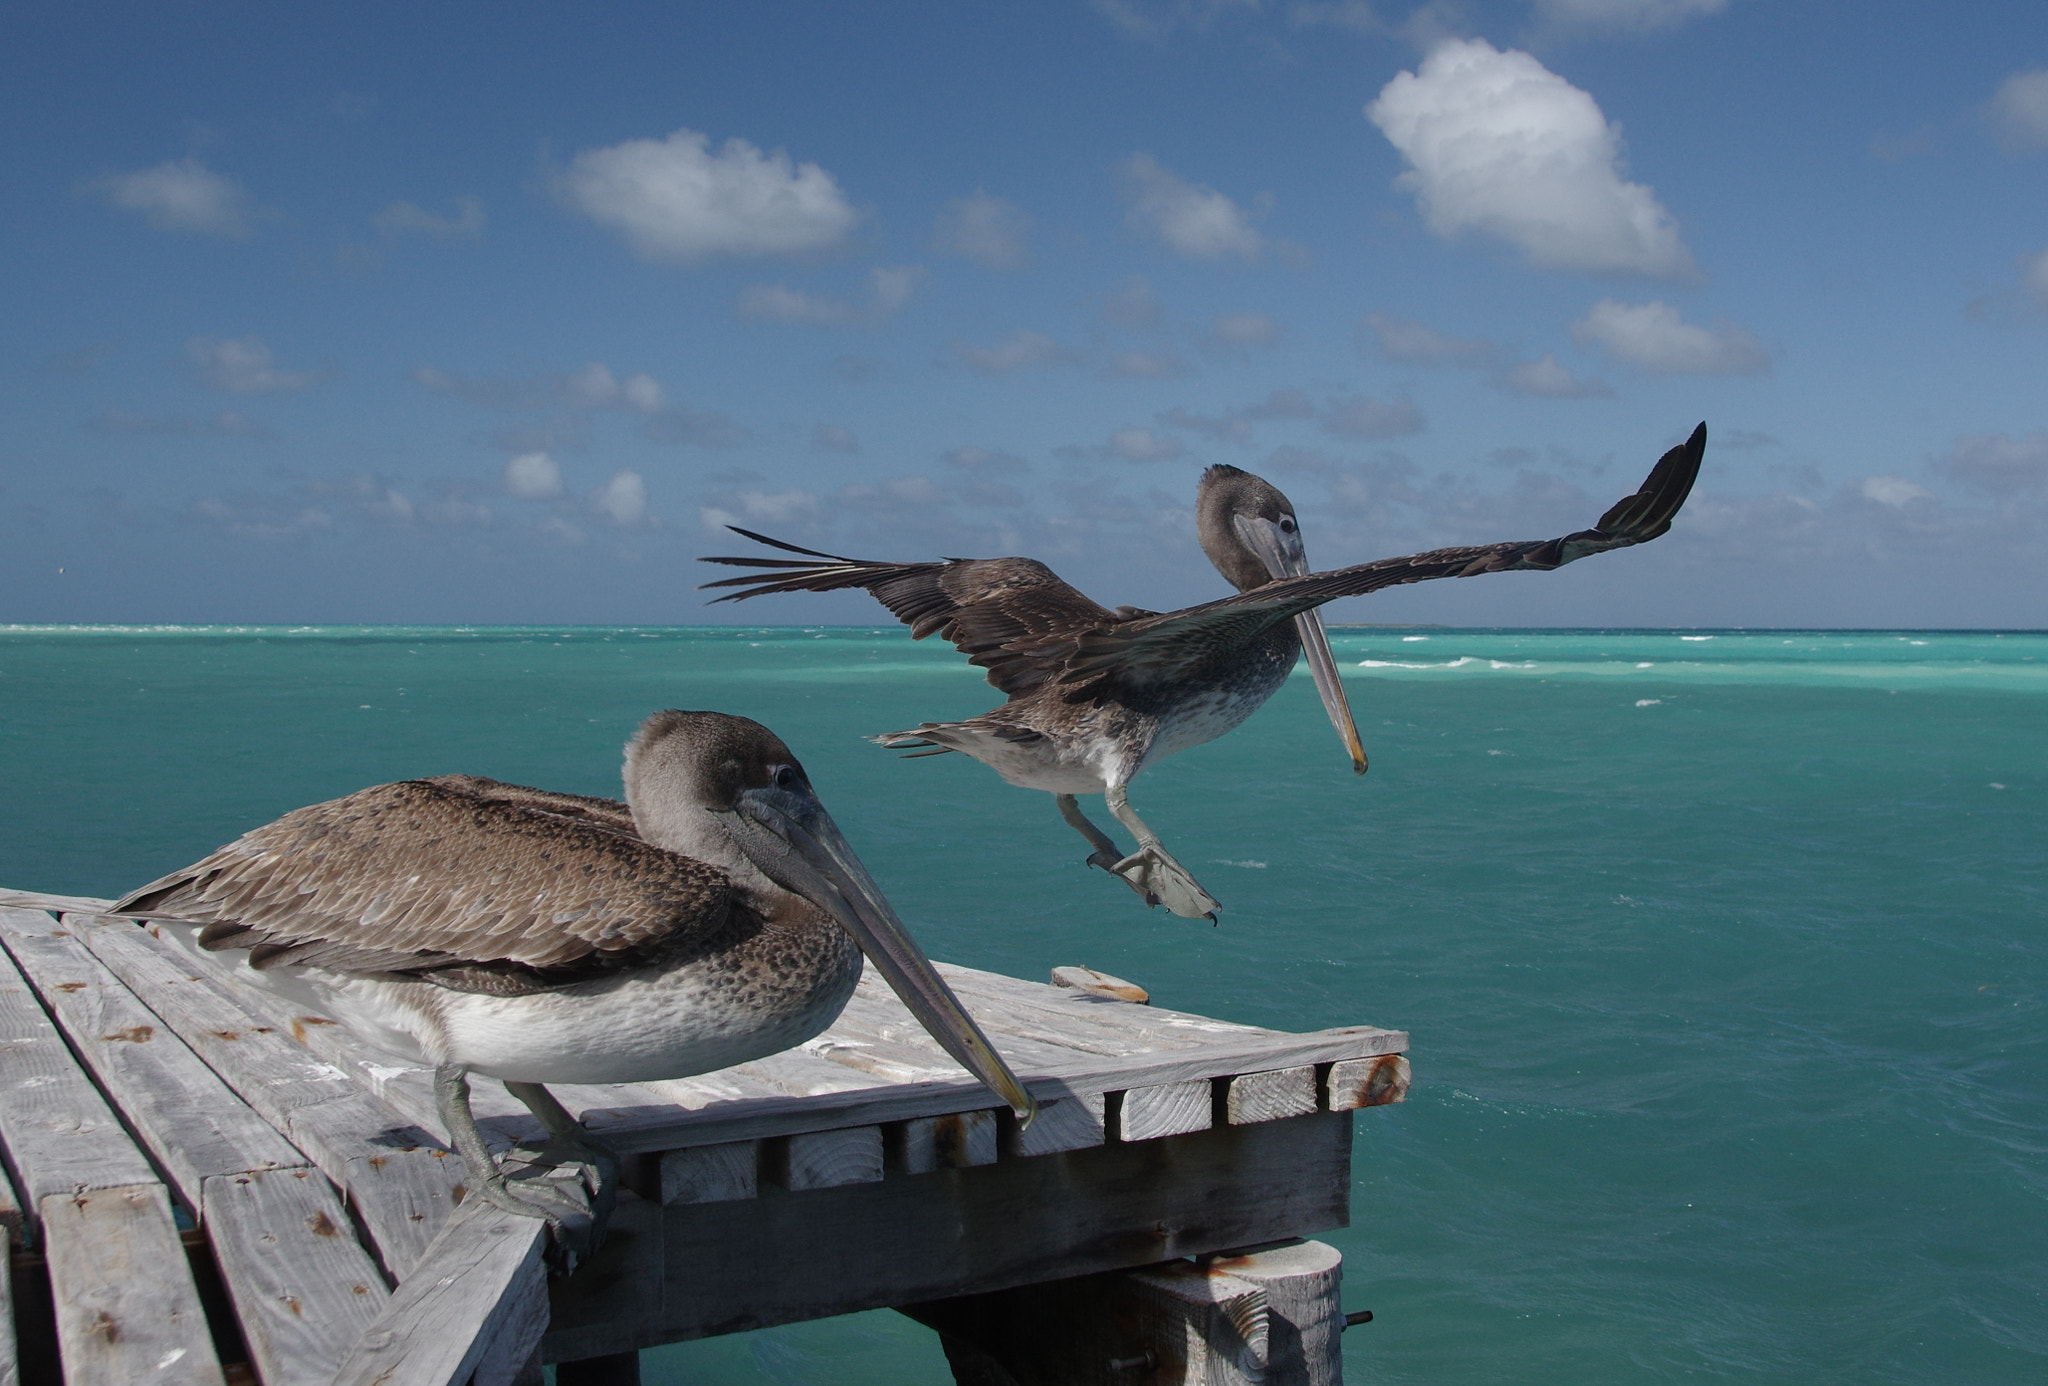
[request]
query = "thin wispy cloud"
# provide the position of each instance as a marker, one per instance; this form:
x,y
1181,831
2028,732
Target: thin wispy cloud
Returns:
x,y
182,195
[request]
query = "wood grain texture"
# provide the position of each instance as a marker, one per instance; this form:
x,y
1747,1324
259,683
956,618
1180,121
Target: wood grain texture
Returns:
x,y
1303,1285
10,1362
958,1140
826,1159
1167,1109
1270,1096
1375,1082
302,1288
127,1309
996,1226
1065,1123
184,1114
711,1173
481,1289
621,1287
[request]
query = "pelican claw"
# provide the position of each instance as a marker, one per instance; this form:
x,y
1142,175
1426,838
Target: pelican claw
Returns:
x,y
1155,875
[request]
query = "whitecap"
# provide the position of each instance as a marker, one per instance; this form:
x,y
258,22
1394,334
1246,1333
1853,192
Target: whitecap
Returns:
x,y
1504,664
1648,702
1646,665
1411,638
1695,637
1247,865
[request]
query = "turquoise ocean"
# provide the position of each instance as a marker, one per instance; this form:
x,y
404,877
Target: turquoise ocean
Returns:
x,y
1724,953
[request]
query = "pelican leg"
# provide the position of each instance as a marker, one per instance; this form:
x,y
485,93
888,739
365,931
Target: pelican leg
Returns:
x,y
570,1143
1106,854
1152,871
570,1222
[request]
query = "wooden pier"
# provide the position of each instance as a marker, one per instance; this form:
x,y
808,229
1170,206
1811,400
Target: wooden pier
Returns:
x,y
208,1189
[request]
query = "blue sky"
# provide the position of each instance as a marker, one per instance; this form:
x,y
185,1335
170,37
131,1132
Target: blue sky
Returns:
x,y
495,313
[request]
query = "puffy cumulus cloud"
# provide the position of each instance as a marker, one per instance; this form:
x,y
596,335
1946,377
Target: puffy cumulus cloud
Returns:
x,y
533,476
1019,351
2019,110
402,217
1191,220
750,508
676,200
224,424
1626,16
1653,337
1360,417
622,500
1999,464
832,438
1244,330
244,366
182,195
1547,378
1413,343
595,387
1498,144
888,291
991,231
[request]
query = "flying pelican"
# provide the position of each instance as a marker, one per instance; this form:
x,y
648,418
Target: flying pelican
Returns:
x,y
1096,695
484,928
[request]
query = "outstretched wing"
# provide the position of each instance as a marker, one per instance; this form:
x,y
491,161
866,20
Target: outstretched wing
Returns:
x,y
450,876
1010,616
1156,648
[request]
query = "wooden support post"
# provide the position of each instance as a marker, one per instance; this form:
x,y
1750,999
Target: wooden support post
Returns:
x,y
1269,1318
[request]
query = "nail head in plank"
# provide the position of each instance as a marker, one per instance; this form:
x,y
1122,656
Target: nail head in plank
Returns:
x,y
826,1159
1065,1123
711,1173
127,1310
183,1112
303,1290
1373,1082
1169,1109
1269,1096
957,1140
1093,983
481,1288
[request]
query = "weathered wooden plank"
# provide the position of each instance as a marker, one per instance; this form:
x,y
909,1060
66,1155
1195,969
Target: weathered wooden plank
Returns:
x,y
1087,979
1303,1285
303,1290
1155,1024
10,1362
53,904
620,1288
995,1226
1165,1109
398,1182
481,1288
1065,1123
711,1173
825,1159
1269,1096
127,1310
958,1140
59,1131
183,1113
1374,1082
13,1223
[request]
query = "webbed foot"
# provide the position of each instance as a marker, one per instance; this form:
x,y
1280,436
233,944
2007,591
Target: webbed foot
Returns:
x,y
1160,880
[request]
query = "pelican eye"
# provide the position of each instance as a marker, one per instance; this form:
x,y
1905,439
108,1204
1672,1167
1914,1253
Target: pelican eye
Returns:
x,y
786,778
1287,524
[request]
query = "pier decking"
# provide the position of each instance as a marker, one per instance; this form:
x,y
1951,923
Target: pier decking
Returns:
x,y
209,1189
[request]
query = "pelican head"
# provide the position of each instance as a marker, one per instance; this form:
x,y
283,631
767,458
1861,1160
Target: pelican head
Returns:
x,y
726,790
1248,529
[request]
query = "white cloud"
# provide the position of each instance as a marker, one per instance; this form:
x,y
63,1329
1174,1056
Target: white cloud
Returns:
x,y
533,476
594,387
1192,220
1245,329
675,200
181,195
1629,16
1499,144
1895,491
1997,463
406,216
2020,110
888,291
623,499
1408,341
1548,378
1018,351
832,438
1652,337
759,508
991,231
243,366
1359,417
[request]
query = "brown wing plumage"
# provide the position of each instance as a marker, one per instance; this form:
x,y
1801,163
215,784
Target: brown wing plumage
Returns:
x,y
1010,616
447,878
1165,647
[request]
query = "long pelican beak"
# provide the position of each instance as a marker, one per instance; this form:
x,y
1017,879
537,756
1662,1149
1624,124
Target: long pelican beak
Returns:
x,y
788,834
1322,665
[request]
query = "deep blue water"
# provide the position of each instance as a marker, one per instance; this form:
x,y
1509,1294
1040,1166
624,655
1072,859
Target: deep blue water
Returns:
x,y
1723,953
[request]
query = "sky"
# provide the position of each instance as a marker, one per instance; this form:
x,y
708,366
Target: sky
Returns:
x,y
464,313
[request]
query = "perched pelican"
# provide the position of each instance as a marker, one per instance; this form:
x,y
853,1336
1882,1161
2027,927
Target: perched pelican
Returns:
x,y
477,927
1096,695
